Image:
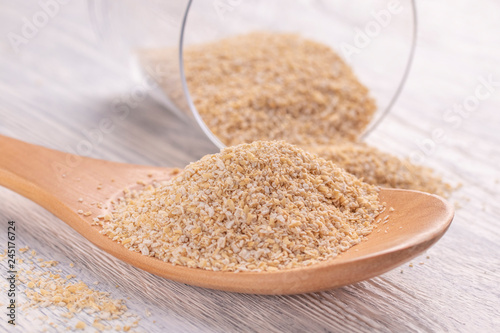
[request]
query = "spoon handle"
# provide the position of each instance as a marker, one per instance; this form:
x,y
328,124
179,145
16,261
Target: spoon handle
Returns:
x,y
55,179
30,170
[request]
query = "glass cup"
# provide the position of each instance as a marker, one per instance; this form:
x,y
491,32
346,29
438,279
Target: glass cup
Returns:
x,y
376,38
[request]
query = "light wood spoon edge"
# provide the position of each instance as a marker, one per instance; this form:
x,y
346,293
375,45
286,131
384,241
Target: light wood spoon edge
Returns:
x,y
57,180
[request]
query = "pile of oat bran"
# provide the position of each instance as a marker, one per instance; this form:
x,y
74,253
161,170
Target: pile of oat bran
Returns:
x,y
253,207
271,86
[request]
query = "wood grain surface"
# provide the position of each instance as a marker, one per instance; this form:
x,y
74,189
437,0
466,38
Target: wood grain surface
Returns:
x,y
65,88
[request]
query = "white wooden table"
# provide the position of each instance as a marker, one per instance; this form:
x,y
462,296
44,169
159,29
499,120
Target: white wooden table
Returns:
x,y
61,85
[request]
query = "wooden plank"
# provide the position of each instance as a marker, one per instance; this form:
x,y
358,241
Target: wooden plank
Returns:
x,y
64,82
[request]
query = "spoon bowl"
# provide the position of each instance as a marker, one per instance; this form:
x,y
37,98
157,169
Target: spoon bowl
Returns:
x,y
78,189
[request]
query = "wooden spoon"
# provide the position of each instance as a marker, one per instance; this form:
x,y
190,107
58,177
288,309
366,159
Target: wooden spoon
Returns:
x,y
59,181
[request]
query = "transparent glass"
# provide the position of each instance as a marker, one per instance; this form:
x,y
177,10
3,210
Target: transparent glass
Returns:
x,y
376,38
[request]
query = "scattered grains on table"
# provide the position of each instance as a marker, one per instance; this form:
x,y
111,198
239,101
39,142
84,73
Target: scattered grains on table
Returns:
x,y
42,286
253,207
51,289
